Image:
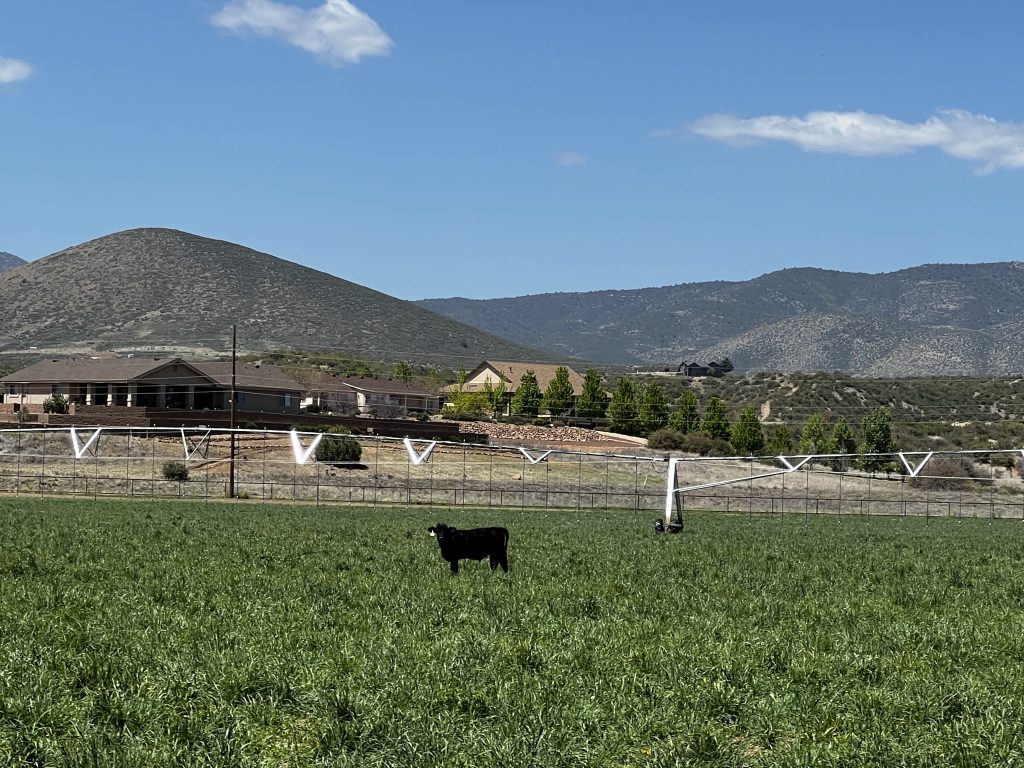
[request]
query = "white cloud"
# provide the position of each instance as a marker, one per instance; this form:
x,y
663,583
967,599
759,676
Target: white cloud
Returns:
x,y
337,32
570,159
12,70
989,144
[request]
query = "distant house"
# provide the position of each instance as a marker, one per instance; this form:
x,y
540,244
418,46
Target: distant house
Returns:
x,y
366,396
510,374
713,368
146,382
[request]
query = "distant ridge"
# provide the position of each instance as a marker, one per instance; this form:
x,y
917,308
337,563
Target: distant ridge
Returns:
x,y
9,261
161,290
948,319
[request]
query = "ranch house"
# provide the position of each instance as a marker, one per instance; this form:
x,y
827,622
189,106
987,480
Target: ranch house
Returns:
x,y
366,396
149,383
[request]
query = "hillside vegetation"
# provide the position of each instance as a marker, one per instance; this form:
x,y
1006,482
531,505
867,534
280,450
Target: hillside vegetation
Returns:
x,y
161,290
927,413
954,319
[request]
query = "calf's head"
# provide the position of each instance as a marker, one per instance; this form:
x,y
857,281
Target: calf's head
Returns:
x,y
439,531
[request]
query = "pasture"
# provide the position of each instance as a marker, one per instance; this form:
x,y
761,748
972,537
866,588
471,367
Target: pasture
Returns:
x,y
177,633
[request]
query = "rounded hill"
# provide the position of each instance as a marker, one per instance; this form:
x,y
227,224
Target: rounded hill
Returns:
x,y
163,290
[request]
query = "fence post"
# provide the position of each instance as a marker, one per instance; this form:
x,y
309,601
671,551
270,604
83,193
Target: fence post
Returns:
x,y
128,466
607,468
376,471
579,485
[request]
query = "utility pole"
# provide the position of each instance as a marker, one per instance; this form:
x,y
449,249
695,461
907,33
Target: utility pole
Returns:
x,y
234,396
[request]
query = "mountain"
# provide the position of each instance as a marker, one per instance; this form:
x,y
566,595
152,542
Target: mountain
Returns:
x,y
934,319
9,261
161,290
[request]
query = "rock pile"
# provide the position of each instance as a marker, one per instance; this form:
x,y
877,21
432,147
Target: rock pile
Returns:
x,y
520,433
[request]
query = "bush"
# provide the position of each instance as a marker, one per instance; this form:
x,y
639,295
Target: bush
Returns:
x,y
666,440
56,403
519,420
175,470
948,473
702,445
338,447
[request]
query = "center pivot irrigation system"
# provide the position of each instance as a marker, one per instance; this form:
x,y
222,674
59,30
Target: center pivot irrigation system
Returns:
x,y
273,465
911,464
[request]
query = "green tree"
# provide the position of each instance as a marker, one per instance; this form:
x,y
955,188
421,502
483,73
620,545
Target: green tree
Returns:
x,y
876,430
558,395
592,402
841,441
812,436
781,443
747,437
462,401
403,372
715,423
623,410
526,400
494,394
685,418
653,408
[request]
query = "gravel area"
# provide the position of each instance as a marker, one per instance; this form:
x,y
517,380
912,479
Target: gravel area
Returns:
x,y
518,433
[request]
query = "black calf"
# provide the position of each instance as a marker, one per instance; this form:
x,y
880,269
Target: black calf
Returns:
x,y
472,544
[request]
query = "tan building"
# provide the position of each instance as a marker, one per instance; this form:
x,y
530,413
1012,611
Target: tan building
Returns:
x,y
146,382
510,374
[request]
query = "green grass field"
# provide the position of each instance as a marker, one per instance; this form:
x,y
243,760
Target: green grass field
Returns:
x,y
177,633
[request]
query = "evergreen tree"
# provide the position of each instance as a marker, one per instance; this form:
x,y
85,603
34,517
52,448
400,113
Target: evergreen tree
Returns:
x,y
622,411
841,441
592,402
747,437
781,443
812,437
715,423
653,410
876,429
558,395
685,419
526,400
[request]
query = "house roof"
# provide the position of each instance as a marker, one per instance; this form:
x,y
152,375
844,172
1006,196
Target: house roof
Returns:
x,y
125,369
511,373
326,382
248,376
89,370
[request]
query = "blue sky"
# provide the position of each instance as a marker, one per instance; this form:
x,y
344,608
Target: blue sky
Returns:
x,y
495,149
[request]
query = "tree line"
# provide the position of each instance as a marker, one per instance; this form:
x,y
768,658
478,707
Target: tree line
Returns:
x,y
643,409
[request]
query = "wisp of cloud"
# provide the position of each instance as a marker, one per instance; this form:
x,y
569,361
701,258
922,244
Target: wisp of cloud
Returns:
x,y
570,159
13,70
337,32
990,144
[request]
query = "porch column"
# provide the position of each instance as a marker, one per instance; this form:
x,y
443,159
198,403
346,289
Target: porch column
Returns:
x,y
130,396
190,398
90,393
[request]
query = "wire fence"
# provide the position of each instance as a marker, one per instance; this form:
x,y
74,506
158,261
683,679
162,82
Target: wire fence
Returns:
x,y
278,466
